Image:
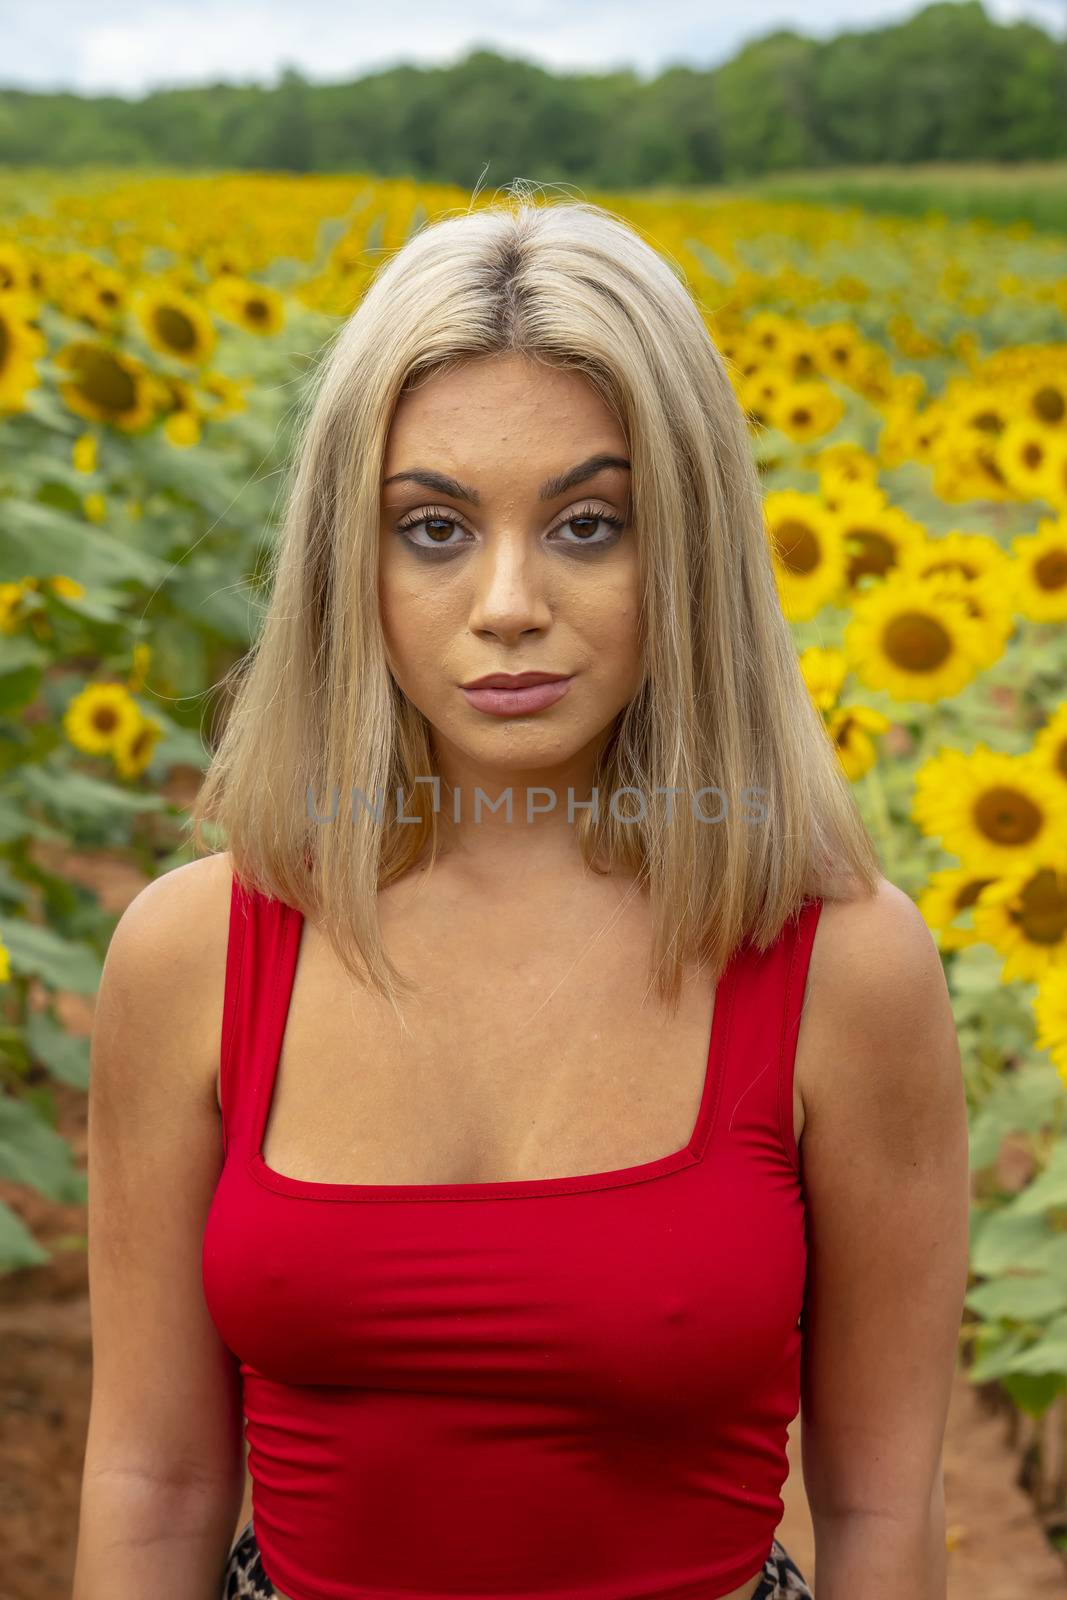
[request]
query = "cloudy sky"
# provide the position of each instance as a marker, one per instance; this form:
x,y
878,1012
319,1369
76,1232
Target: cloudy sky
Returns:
x,y
130,46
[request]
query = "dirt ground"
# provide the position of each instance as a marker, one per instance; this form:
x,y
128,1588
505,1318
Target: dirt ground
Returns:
x,y
998,1549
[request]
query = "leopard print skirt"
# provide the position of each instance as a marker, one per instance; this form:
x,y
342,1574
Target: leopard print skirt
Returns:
x,y
245,1577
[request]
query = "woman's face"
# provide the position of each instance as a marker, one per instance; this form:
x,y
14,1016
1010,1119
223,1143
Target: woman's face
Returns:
x,y
506,547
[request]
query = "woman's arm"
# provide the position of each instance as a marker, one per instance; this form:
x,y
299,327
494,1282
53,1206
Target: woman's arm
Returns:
x,y
885,1165
164,1469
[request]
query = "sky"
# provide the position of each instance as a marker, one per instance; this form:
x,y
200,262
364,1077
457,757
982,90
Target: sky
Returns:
x,y
131,46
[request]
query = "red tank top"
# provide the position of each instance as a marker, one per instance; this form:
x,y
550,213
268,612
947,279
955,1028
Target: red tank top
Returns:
x,y
564,1388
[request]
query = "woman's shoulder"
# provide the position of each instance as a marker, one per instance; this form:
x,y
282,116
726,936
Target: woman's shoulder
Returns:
x,y
868,947
164,971
877,1009
180,907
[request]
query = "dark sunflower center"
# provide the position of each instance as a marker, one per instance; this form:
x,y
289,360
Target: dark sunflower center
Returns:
x,y
1050,570
969,893
1049,403
1042,910
105,719
798,548
104,380
871,552
917,642
175,328
1007,816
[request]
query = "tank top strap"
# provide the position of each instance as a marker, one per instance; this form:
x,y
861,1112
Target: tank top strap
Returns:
x,y
756,1098
261,954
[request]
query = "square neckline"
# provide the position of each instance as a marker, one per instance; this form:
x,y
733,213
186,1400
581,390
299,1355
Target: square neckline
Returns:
x,y
690,1154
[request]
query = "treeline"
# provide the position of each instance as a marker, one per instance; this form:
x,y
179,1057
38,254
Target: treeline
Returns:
x,y
950,83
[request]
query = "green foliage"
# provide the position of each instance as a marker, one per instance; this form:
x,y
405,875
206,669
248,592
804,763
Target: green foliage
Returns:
x,y
949,83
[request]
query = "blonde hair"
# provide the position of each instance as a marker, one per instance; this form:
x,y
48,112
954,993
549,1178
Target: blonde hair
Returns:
x,y
316,711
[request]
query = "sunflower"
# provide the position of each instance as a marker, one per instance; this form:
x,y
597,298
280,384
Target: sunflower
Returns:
x,y
5,964
21,344
176,324
949,893
807,552
106,385
801,353
912,641
101,298
1050,1014
1022,453
14,268
1041,571
824,672
877,536
770,331
227,395
132,750
988,601
83,452
1054,475
842,468
974,567
12,598
806,410
182,428
66,588
141,657
256,307
1044,397
850,728
992,809
1024,916
759,392
100,716
841,350
964,462
964,555
222,258
1050,743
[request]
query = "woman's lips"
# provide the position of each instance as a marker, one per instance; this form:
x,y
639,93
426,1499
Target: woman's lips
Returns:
x,y
518,702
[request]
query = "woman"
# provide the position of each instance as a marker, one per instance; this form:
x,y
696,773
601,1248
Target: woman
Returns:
x,y
587,1102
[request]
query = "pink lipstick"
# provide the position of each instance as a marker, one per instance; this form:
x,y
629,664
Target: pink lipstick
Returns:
x,y
503,694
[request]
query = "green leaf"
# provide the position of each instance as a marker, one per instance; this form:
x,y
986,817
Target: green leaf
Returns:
x,y
18,1247
40,952
1048,1189
1000,1239
66,1055
36,1156
214,597
1034,1394
994,1349
40,541
76,794
19,688
1047,1354
1022,1298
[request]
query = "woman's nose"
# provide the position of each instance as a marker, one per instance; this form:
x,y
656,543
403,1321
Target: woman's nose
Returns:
x,y
509,588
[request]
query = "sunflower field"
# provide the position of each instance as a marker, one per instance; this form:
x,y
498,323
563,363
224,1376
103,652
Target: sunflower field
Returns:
x,y
906,385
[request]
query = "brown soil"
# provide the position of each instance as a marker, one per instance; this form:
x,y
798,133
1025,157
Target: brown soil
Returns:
x,y
998,1550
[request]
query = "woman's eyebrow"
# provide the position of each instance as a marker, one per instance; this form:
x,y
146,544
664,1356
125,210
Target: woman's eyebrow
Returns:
x,y
548,491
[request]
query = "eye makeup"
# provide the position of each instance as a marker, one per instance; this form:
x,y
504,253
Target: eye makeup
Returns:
x,y
441,515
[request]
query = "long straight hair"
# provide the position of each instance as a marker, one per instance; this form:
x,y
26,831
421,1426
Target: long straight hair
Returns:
x,y
315,714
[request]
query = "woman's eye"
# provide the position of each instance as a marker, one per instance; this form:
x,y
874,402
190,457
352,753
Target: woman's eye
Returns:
x,y
438,529
586,521
438,539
